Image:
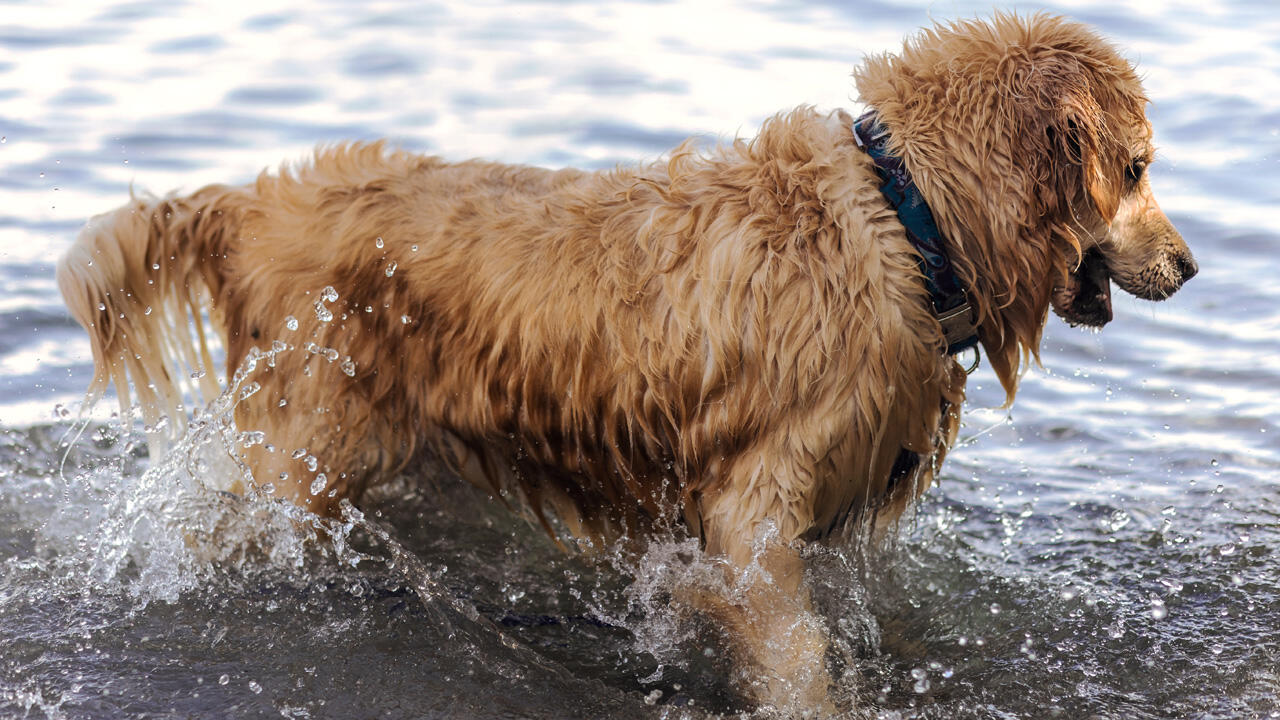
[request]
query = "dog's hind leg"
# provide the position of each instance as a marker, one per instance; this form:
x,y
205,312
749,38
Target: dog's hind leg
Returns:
x,y
317,444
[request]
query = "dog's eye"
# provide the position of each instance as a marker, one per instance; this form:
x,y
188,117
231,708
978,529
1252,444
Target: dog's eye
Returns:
x,y
1134,172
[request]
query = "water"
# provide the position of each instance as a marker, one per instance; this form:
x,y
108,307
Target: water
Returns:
x,y
1104,549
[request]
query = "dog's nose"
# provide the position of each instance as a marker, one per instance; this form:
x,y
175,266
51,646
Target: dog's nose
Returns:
x,y
1186,266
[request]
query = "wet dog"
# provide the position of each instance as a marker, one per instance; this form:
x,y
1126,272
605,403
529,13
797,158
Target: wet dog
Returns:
x,y
742,342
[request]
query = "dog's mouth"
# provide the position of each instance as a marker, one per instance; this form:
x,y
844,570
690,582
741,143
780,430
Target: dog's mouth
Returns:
x,y
1085,299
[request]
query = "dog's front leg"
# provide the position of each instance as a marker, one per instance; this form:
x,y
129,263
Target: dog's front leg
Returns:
x,y
780,643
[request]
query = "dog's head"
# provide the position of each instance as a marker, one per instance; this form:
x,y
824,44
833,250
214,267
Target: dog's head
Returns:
x,y
1126,238
1029,139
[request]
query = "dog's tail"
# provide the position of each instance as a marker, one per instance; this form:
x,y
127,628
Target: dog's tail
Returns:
x,y
139,280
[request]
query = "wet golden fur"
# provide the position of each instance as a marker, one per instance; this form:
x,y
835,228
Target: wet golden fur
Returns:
x,y
726,340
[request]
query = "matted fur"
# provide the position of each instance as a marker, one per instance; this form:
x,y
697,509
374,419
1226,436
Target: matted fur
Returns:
x,y
720,340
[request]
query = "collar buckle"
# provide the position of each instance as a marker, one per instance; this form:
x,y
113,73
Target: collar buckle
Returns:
x,y
958,328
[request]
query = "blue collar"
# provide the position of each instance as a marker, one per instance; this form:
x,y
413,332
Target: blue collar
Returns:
x,y
947,293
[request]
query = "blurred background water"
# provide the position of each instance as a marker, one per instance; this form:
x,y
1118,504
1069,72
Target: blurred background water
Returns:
x,y
1102,550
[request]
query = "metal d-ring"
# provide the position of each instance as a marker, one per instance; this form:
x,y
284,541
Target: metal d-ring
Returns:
x,y
977,357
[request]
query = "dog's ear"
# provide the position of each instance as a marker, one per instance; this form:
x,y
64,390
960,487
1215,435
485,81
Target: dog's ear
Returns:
x,y
1084,143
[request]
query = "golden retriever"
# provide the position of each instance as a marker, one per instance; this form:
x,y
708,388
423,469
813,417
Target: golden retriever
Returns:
x,y
737,341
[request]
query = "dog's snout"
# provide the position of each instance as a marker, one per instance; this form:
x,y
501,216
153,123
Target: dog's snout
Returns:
x,y
1186,266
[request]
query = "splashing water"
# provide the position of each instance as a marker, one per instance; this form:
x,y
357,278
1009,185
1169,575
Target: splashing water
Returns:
x,y
195,521
164,531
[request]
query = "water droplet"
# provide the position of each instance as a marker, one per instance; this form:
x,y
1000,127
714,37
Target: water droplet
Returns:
x,y
995,608
328,294
391,268
323,312
255,687
311,462
317,485
147,311
249,389
405,319
921,685
224,679
299,453
1158,609
102,307
198,374
348,366
653,697
249,438
1227,549
350,512
1117,520
378,243
291,322
61,410
282,403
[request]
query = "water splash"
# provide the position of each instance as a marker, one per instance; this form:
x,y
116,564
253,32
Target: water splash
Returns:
x,y
196,512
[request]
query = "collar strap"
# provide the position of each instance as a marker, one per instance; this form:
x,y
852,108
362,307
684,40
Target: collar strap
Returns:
x,y
946,293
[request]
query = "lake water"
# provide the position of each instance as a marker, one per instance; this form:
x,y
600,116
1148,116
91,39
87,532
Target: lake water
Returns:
x,y
1102,550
